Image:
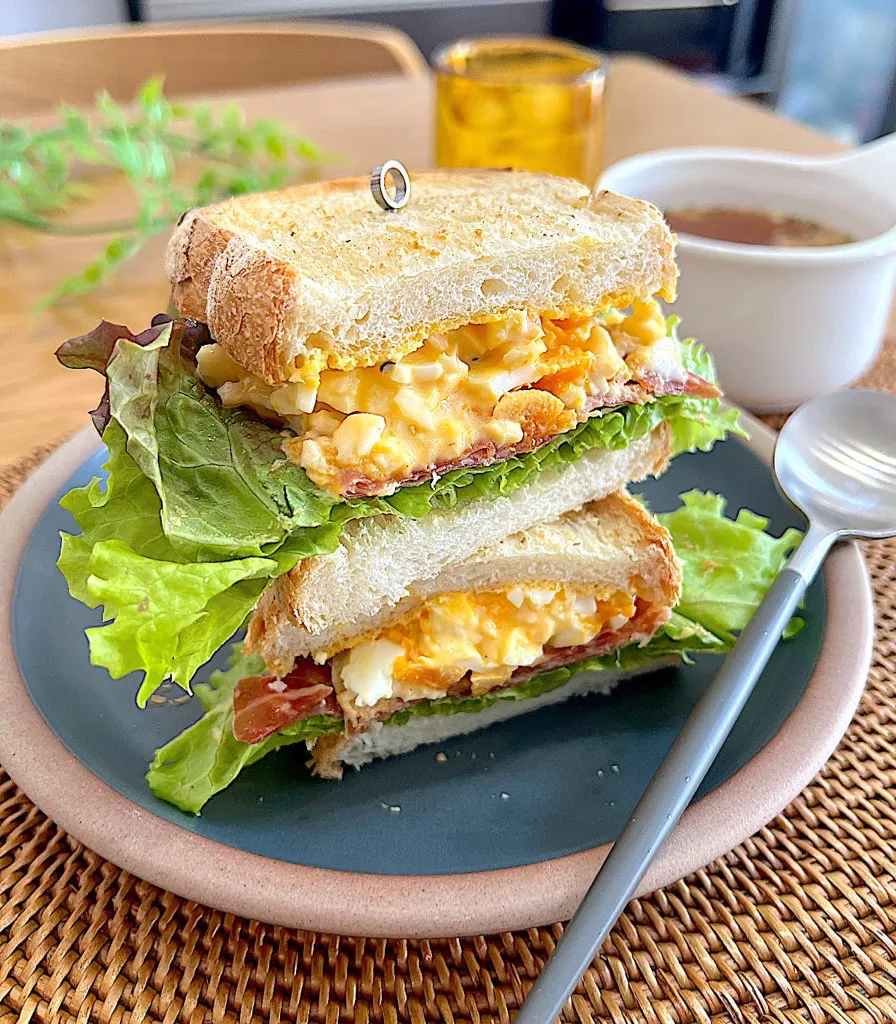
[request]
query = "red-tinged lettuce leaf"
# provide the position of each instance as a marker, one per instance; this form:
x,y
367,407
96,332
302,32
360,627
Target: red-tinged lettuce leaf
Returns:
x,y
94,350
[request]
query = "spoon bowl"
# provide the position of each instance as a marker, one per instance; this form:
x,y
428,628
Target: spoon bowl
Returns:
x,y
836,461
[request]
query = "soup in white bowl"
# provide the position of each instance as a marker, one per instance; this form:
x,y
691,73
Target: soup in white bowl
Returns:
x,y
785,323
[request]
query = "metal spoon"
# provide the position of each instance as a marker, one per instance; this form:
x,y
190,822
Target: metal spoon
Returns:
x,y
836,460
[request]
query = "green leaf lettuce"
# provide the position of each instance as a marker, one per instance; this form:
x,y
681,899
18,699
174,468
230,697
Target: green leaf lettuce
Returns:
x,y
728,564
207,757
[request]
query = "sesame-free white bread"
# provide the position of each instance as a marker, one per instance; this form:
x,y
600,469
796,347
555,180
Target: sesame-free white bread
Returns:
x,y
380,740
386,562
613,543
319,272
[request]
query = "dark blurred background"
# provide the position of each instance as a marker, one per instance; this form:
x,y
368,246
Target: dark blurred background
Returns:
x,y
828,63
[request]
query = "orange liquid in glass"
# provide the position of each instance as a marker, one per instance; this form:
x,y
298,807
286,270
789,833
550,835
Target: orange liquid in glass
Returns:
x,y
534,105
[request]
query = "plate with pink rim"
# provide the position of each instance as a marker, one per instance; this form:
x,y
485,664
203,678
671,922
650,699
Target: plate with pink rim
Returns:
x,y
504,829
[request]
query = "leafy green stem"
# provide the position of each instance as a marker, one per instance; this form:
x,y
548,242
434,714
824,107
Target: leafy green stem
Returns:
x,y
173,157
52,227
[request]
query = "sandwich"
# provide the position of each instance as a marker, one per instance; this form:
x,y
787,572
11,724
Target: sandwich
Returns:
x,y
568,608
474,329
345,405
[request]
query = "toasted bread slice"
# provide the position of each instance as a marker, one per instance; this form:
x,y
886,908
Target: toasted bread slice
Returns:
x,y
319,273
385,565
614,543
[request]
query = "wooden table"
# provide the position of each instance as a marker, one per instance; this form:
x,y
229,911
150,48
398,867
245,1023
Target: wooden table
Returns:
x,y
364,121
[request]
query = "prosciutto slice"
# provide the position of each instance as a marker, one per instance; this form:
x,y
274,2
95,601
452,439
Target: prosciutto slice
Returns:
x,y
263,705
639,629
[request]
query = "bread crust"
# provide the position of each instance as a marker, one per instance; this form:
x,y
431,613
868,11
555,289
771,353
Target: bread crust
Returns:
x,y
189,259
319,275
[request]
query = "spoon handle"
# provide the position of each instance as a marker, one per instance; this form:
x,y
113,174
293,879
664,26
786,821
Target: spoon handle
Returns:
x,y
665,799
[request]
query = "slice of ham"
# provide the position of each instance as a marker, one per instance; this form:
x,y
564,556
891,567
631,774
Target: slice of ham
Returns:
x,y
692,386
646,387
263,705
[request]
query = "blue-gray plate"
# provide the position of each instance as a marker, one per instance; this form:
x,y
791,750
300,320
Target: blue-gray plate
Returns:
x,y
503,831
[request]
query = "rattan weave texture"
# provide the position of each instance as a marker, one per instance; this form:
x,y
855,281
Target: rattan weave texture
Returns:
x,y
796,925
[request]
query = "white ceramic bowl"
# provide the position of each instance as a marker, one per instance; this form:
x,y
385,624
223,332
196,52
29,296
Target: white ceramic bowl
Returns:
x,y
784,324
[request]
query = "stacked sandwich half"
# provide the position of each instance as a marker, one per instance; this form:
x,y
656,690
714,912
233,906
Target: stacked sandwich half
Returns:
x,y
395,445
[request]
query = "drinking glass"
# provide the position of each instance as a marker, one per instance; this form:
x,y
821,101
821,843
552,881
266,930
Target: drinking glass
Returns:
x,y
528,103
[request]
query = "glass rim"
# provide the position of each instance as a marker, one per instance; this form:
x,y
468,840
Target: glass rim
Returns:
x,y
546,44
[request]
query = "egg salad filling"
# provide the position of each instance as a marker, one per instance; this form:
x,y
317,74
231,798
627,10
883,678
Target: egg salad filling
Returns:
x,y
489,390
477,639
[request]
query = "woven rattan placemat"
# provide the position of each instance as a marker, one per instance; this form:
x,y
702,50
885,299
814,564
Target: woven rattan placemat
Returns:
x,y
796,925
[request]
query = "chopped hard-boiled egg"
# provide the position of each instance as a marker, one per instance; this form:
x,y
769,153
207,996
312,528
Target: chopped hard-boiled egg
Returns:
x,y
414,408
661,358
521,379
486,634
298,395
216,367
357,434
367,671
416,373
503,432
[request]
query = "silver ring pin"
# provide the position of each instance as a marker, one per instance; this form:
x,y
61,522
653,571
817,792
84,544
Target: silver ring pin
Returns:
x,y
400,181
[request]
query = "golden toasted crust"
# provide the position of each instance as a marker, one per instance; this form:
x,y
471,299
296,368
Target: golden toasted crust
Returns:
x,y
192,250
318,273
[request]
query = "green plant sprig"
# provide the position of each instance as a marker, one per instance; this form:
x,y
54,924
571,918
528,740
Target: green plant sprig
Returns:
x,y
46,173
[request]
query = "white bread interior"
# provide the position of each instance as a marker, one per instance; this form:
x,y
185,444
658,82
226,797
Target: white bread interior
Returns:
x,y
386,564
613,543
380,740
319,272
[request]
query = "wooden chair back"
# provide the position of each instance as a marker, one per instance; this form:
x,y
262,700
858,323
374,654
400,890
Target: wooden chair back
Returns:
x,y
39,71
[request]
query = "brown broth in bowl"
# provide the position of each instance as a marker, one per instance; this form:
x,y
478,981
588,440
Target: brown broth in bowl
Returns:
x,y
752,227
